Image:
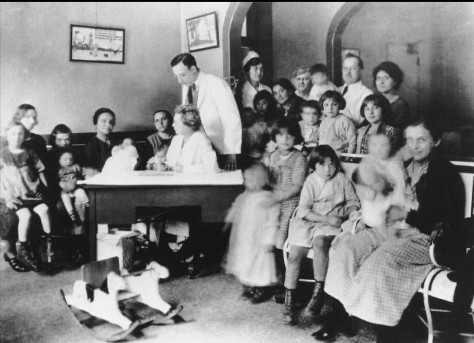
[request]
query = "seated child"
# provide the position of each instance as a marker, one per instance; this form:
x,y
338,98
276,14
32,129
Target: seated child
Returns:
x,y
381,185
336,130
22,186
309,125
124,158
254,219
158,162
265,107
320,80
328,198
253,137
68,174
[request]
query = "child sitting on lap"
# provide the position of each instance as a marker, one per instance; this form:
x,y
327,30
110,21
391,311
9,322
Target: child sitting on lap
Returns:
x,y
309,125
254,219
68,175
327,199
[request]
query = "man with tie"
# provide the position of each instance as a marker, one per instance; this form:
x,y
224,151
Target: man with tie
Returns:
x,y
353,91
219,113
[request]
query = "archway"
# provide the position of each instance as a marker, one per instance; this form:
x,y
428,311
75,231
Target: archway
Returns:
x,y
334,38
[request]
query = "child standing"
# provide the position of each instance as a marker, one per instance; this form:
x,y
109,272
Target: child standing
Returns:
x,y
254,137
320,80
254,219
327,199
336,130
68,175
289,169
309,125
22,185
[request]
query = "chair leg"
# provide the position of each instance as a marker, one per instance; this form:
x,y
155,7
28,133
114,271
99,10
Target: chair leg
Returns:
x,y
426,302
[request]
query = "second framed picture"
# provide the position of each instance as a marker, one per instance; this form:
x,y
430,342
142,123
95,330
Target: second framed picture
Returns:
x,y
202,32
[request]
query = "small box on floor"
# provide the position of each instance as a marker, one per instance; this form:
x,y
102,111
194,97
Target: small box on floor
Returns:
x,y
125,245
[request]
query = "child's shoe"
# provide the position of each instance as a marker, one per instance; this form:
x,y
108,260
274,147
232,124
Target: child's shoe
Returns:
x,y
261,294
23,255
248,292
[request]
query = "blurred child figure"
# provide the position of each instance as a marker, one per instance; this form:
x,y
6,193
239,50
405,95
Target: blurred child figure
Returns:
x,y
254,137
327,199
265,107
22,185
288,167
321,83
158,162
336,130
75,199
254,219
124,158
309,125
381,185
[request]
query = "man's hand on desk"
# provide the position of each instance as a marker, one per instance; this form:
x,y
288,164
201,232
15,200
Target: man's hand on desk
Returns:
x,y
231,163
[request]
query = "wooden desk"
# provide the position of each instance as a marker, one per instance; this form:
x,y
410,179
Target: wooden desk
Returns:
x,y
114,198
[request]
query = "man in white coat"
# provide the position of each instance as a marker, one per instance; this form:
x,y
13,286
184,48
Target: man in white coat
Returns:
x,y
219,113
353,91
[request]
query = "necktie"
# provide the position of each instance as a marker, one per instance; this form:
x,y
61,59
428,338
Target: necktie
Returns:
x,y
344,91
192,95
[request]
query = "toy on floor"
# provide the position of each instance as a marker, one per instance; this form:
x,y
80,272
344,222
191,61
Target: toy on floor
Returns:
x,y
101,295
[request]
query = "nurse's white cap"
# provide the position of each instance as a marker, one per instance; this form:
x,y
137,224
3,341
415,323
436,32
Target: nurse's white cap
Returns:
x,y
250,55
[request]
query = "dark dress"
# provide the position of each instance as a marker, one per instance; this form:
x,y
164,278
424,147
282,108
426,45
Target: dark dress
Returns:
x,y
401,114
294,111
96,153
37,144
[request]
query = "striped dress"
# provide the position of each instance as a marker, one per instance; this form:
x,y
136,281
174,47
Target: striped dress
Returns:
x,y
288,171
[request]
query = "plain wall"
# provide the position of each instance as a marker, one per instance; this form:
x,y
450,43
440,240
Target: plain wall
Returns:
x,y
300,31
35,66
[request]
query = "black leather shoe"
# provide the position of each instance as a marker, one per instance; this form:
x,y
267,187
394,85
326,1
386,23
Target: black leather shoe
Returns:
x,y
326,334
260,295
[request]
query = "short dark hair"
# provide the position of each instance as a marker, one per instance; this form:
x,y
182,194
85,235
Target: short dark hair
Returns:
x,y
60,128
187,59
63,151
392,69
252,62
264,95
286,84
318,68
429,124
320,153
378,100
100,111
289,124
312,104
336,96
359,59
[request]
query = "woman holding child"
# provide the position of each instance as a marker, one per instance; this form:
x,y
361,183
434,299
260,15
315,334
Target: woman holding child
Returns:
x,y
375,273
253,69
288,103
159,142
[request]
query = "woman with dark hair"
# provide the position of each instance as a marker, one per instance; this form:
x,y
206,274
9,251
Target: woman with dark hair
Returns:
x,y
388,78
99,149
288,103
375,110
159,142
253,69
27,116
374,275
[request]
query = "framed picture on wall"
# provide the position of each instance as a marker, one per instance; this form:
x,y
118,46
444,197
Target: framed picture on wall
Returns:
x,y
97,44
202,32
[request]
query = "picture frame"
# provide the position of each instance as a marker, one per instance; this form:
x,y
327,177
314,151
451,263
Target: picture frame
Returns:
x,y
97,44
202,32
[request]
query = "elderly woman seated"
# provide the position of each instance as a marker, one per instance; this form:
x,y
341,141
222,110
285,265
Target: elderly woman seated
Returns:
x,y
190,150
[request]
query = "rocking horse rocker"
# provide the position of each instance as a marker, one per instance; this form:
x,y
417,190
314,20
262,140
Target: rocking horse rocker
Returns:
x,y
126,303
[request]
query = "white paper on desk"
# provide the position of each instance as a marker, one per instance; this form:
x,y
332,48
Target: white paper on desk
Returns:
x,y
150,177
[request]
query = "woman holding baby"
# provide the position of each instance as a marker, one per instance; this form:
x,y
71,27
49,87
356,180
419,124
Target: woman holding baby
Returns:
x,y
374,273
